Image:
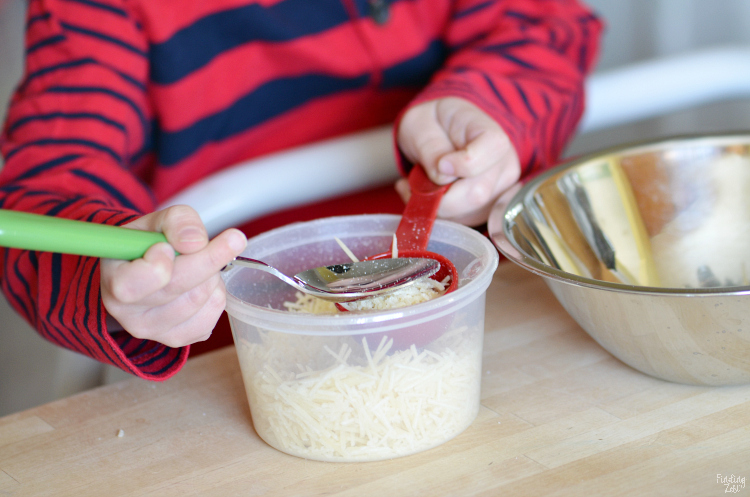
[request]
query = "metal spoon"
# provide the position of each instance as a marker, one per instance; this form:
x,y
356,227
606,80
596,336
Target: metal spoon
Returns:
x,y
353,280
337,283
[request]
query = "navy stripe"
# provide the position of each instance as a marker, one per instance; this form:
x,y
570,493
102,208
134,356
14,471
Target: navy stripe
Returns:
x,y
37,18
135,352
12,294
471,10
501,47
41,44
27,287
99,328
102,6
76,284
56,276
50,164
103,37
160,355
196,45
8,189
502,50
523,17
525,99
109,188
416,72
496,92
78,63
103,91
64,115
526,168
266,102
547,103
66,141
154,347
169,366
122,338
59,206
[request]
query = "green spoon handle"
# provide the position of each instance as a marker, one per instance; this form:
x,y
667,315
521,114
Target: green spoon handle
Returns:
x,y
53,234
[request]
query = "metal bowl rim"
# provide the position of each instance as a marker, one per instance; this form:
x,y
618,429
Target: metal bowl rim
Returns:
x,y
541,269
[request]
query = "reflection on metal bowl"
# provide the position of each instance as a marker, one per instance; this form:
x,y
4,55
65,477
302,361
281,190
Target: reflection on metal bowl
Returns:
x,y
648,248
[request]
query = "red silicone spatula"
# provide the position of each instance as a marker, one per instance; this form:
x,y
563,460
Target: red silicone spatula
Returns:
x,y
414,229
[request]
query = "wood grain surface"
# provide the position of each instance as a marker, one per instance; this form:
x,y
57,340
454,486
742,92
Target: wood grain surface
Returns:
x,y
559,417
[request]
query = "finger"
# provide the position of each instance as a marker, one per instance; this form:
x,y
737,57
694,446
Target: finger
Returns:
x,y
423,141
193,269
403,190
131,282
489,148
184,229
186,320
181,225
470,200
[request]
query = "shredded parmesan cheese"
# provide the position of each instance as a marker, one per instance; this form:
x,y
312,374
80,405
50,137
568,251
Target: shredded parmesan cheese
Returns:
x,y
422,290
363,404
346,249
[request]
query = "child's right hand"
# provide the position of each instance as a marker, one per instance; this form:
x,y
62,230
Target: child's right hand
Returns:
x,y
172,300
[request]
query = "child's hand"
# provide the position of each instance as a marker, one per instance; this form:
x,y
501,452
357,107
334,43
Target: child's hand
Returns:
x,y
175,301
455,140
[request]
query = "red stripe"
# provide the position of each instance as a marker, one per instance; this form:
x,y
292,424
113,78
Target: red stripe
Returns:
x,y
237,72
324,118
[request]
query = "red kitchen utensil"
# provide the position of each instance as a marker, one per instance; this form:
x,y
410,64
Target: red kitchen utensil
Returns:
x,y
414,229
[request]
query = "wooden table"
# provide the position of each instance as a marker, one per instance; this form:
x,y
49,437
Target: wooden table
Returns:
x,y
559,416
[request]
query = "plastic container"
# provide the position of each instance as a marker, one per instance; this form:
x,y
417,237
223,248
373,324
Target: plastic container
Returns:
x,y
359,386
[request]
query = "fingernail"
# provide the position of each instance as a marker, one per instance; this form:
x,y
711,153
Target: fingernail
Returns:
x,y
167,250
446,167
237,242
191,234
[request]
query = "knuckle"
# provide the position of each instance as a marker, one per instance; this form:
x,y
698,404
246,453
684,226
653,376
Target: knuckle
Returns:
x,y
121,292
197,296
217,299
179,212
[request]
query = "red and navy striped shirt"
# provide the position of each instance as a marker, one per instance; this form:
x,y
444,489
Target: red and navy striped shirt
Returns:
x,y
126,102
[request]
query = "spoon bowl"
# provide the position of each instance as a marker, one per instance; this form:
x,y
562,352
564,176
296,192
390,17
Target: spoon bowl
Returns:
x,y
353,280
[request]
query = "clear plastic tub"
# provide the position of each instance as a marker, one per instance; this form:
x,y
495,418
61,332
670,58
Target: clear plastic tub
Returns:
x,y
359,386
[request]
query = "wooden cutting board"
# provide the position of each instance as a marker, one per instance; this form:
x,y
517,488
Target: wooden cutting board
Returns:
x,y
559,417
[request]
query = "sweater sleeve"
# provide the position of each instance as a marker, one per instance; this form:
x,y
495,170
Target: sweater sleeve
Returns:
x,y
77,126
524,63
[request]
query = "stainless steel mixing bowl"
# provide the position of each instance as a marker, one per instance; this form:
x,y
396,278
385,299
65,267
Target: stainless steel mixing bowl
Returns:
x,y
647,247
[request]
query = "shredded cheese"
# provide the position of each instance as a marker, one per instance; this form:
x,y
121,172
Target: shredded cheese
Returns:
x,y
346,250
422,290
335,399
343,401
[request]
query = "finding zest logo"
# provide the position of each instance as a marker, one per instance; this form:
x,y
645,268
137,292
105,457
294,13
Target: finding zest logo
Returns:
x,y
732,483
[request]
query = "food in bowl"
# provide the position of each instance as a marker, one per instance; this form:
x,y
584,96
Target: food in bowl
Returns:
x,y
422,290
359,386
394,403
367,403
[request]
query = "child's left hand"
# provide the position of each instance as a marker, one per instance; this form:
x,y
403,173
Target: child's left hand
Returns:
x,y
454,140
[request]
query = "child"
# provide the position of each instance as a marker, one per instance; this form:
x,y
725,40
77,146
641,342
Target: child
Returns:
x,y
126,102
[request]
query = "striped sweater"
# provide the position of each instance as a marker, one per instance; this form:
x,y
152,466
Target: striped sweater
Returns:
x,y
125,102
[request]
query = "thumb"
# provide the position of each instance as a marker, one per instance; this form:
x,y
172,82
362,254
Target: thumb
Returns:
x,y
423,141
181,225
